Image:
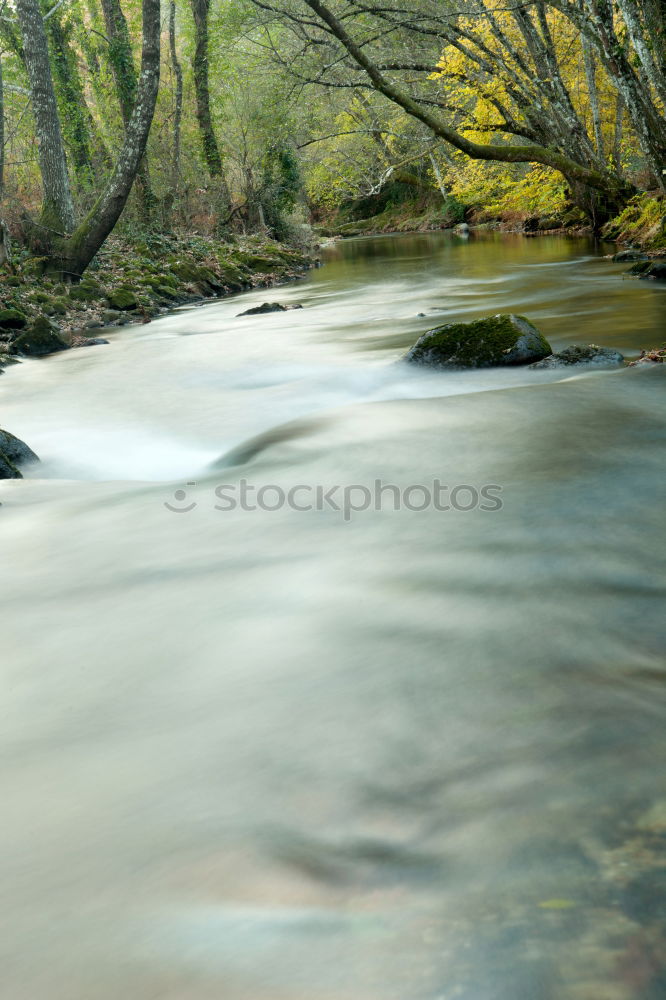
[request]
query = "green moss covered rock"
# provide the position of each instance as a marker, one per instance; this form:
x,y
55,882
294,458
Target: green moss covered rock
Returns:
x,y
86,292
12,319
41,338
123,299
499,340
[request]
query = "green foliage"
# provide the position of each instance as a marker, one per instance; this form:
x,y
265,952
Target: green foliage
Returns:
x,y
642,221
281,187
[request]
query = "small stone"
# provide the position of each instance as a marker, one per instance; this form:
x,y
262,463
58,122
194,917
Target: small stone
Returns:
x,y
578,355
624,255
91,342
269,307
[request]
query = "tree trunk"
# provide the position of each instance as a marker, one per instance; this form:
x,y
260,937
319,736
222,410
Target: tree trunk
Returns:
x,y
211,150
617,135
5,249
591,80
124,74
74,254
77,122
178,97
57,216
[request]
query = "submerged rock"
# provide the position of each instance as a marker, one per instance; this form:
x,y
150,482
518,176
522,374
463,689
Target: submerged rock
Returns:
x,y
650,269
657,356
270,307
581,355
499,340
41,338
90,342
13,452
7,359
625,255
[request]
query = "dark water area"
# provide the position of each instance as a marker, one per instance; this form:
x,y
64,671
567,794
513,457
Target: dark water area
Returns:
x,y
340,754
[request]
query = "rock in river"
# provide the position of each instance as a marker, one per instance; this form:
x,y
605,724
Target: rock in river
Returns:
x,y
650,269
578,355
269,307
499,340
626,255
43,337
13,452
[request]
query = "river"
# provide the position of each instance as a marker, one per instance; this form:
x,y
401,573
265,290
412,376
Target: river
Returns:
x,y
340,754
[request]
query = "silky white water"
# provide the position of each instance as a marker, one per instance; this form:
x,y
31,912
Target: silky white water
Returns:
x,y
261,754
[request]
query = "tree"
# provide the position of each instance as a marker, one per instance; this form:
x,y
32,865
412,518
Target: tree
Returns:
x,y
124,73
211,150
514,59
68,247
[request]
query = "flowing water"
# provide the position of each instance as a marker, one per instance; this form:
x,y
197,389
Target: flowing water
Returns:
x,y
338,754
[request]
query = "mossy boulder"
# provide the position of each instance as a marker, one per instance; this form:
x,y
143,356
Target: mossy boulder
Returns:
x,y
12,319
167,292
196,274
86,292
577,354
123,299
41,338
58,306
495,341
260,263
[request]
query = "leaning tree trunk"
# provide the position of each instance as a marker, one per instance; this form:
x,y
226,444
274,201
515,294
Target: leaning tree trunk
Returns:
x,y
57,216
73,255
124,74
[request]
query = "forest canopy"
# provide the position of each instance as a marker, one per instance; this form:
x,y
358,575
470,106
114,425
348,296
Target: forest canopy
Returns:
x,y
220,116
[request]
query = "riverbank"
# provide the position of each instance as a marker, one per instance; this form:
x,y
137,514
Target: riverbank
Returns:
x,y
642,224
132,282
